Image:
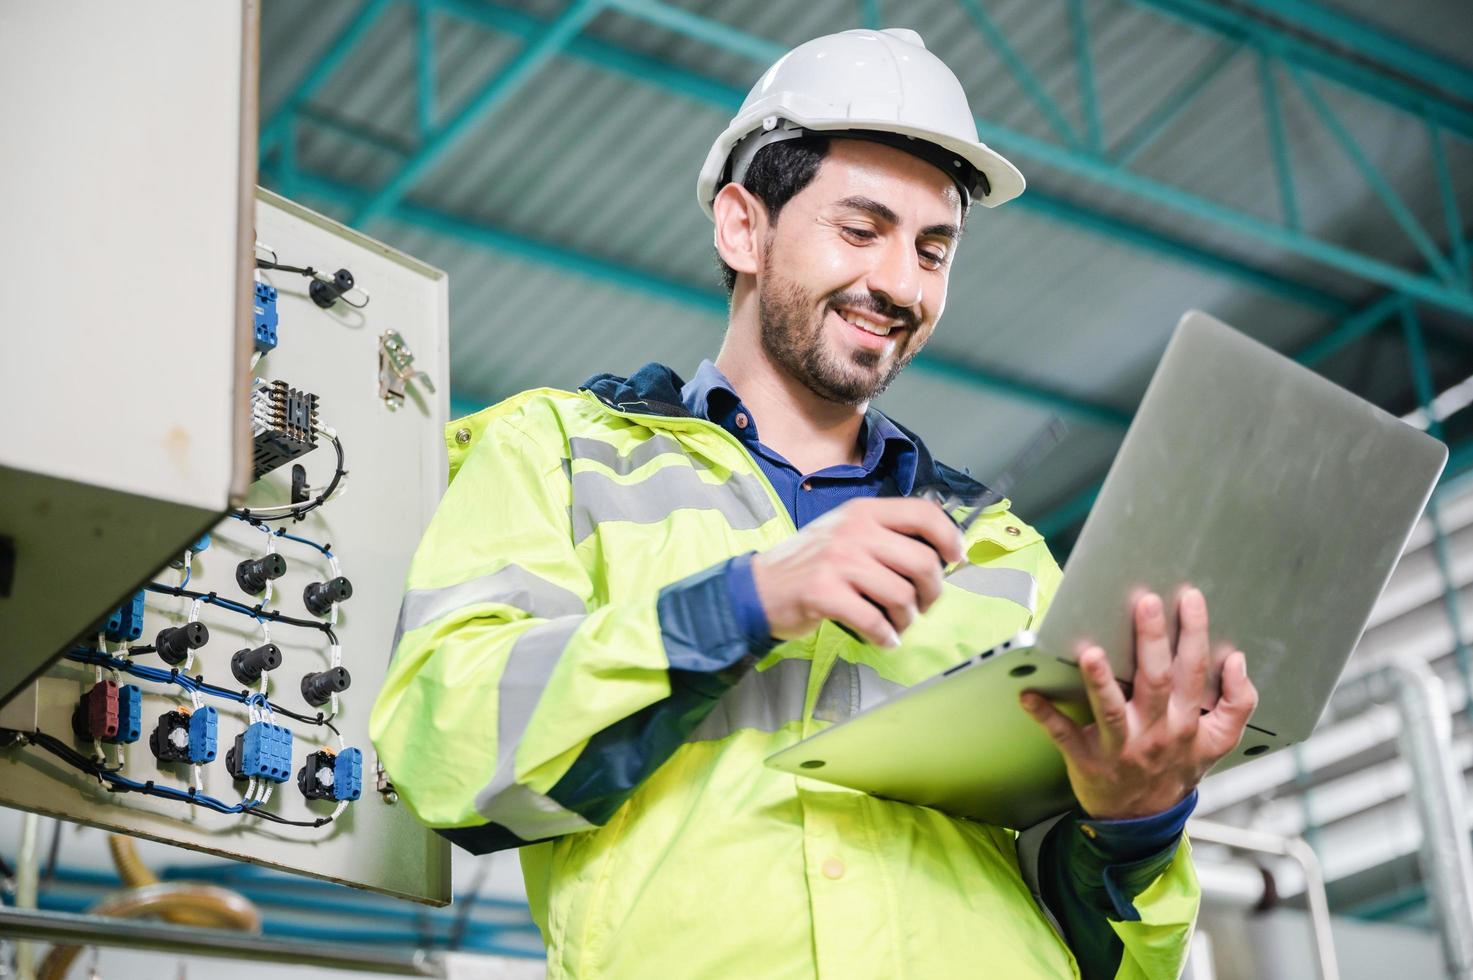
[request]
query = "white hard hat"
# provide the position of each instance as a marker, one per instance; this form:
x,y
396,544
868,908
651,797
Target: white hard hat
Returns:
x,y
878,85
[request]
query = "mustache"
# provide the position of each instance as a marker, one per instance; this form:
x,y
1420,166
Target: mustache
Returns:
x,y
871,303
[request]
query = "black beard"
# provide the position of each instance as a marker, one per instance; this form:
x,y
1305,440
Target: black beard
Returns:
x,y
794,341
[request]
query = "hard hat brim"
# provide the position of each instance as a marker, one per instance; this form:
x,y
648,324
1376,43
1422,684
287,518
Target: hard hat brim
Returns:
x,y
1004,180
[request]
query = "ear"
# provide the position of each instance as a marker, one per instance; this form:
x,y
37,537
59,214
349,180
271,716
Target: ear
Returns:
x,y
741,227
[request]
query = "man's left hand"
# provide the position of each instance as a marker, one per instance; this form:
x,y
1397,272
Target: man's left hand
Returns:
x,y
1143,756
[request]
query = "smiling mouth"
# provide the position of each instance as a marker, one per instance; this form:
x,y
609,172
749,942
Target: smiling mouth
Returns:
x,y
867,325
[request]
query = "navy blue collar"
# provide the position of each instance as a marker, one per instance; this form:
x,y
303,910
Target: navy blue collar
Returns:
x,y
655,390
710,395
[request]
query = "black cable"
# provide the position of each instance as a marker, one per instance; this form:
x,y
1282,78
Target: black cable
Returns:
x,y
321,719
300,512
307,271
257,612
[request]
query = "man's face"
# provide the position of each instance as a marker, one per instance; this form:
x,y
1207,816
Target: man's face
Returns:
x,y
853,275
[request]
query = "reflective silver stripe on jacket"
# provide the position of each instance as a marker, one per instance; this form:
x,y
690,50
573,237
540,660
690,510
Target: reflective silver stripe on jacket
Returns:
x,y
598,498
850,689
764,700
1012,584
509,586
528,814
608,455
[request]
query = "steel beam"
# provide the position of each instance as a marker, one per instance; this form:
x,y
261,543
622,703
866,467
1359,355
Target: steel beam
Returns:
x,y
1372,41
536,53
1379,184
1107,173
278,126
1451,216
1172,106
718,94
424,36
711,302
1084,68
1273,120
1223,21
1019,69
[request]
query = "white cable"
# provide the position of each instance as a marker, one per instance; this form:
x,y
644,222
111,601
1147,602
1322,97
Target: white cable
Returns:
x,y
336,660
250,794
194,608
338,810
270,550
266,796
184,572
199,786
256,359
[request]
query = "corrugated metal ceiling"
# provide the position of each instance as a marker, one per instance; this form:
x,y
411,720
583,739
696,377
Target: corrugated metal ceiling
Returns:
x,y
605,165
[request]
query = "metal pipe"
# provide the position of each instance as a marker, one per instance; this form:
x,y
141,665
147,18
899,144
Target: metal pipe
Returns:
x,y
1302,854
27,878
65,927
1447,858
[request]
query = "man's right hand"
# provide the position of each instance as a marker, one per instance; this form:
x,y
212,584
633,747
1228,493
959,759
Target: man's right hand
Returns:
x,y
867,564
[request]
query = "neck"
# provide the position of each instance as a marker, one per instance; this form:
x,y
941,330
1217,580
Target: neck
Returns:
x,y
810,431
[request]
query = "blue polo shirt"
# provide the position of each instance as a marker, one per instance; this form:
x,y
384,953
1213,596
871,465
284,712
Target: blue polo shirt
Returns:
x,y
887,469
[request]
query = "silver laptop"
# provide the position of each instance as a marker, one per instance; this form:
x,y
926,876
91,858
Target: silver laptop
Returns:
x,y
1286,499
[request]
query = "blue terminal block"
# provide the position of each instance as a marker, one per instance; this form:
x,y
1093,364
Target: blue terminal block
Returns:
x,y
265,318
262,751
204,726
347,771
125,624
130,715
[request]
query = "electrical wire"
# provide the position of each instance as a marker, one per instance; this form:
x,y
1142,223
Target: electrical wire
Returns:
x,y
256,612
300,510
281,532
122,784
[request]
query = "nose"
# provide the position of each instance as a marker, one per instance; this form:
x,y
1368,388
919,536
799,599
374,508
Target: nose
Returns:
x,y
896,275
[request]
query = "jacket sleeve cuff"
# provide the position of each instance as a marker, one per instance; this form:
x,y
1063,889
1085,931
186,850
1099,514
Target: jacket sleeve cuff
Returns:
x,y
700,629
1113,861
746,605
1131,840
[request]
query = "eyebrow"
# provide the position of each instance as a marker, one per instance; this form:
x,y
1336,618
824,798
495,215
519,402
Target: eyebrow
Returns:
x,y
883,212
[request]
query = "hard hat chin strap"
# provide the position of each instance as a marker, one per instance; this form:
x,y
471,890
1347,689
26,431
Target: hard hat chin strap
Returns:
x,y
969,180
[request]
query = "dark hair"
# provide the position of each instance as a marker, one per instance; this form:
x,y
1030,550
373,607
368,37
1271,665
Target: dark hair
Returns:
x,y
777,173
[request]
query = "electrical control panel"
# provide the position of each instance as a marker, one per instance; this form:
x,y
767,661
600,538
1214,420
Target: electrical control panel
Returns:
x,y
223,704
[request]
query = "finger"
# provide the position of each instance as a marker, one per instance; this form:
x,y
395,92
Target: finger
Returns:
x,y
863,617
1068,736
924,520
1106,699
1152,683
1192,645
1223,725
893,593
913,559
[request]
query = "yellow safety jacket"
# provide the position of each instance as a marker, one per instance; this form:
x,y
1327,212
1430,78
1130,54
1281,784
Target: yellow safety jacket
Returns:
x,y
538,698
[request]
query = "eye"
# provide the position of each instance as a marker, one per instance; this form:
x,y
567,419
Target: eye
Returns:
x,y
933,260
863,234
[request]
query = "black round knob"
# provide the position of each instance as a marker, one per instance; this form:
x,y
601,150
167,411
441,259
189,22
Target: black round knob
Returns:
x,y
248,664
318,688
319,596
174,642
253,573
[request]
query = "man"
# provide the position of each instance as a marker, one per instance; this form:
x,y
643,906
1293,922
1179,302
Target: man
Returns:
x,y
629,597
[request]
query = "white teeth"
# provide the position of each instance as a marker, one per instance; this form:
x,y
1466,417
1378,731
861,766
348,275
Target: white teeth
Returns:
x,y
866,327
